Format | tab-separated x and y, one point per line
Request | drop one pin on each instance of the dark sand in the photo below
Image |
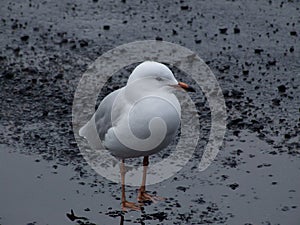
251	46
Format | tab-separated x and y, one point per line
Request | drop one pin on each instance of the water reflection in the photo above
73	217
142	198
121	220
159	216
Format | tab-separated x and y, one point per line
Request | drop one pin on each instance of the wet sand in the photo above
252	48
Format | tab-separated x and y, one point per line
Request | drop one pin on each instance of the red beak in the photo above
186	87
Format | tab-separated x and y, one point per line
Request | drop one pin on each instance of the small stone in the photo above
184	7
198	41
273	153
233	186
181	188
281	88
276	101
14	26
106	27
258	50
272	63
83	43
8	74
245	72
236	30
239	151
177	205
236	132
24	38
223	30
200	201
59	76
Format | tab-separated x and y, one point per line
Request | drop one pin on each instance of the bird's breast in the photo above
147	126
151	108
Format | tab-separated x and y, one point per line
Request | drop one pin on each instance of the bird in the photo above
139	120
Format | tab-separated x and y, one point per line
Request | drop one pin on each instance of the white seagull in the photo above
139	119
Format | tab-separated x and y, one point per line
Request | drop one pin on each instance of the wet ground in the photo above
251	46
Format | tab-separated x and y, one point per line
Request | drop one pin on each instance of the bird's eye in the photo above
159	78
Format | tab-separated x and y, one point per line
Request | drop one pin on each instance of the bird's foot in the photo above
143	196
130	205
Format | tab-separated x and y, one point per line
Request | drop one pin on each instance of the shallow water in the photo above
261	188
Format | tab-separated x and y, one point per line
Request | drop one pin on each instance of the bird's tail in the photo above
89	132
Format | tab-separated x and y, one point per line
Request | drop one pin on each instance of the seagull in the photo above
138	120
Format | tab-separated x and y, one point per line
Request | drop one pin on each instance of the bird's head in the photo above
155	76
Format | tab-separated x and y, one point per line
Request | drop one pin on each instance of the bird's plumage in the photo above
147	98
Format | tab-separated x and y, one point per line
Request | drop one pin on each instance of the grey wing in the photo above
100	123
103	114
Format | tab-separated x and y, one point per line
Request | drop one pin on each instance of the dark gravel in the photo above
251	46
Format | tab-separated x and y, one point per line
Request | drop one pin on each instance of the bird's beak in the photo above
186	87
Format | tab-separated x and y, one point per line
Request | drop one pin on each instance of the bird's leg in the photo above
125	204
143	195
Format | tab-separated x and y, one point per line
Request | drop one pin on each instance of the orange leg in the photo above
125	204
143	196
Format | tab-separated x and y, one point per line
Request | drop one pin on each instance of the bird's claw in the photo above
144	197
130	205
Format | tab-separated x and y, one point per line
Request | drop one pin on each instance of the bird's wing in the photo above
103	114
100	123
